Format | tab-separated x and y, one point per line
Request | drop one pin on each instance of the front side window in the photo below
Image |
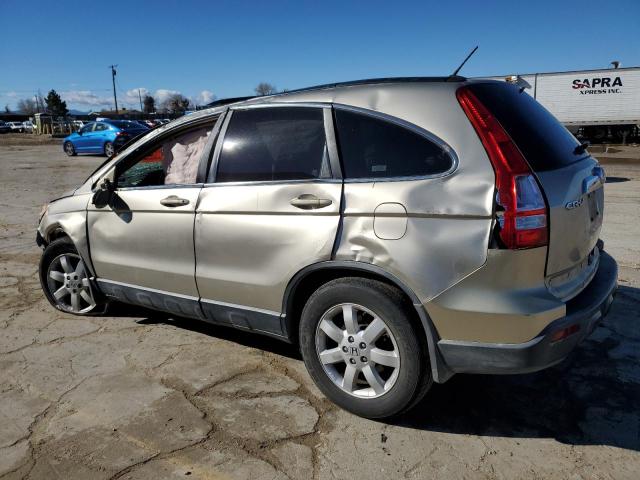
171	161
371	147
278	143
86	128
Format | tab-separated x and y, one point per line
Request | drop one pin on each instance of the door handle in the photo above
310	202
174	201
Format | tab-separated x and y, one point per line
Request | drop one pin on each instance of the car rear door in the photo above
571	179
271	207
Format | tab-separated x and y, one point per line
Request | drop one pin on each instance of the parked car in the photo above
449	226
16	127
101	137
4	127
28	126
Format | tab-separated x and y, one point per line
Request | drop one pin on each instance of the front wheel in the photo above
65	280
109	150
69	149
361	349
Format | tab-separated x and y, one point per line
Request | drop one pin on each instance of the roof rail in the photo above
352	83
369	81
226	101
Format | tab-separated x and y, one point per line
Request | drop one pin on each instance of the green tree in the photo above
55	105
149	104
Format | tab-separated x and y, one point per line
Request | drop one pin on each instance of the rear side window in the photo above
545	143
374	148
278	143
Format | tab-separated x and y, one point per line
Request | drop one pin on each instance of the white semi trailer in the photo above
598	105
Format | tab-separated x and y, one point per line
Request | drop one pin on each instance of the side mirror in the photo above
79	132
104	194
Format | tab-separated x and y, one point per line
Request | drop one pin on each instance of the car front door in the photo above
271	206
81	143
141	240
96	138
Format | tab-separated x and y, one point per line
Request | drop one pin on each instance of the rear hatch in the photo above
571	180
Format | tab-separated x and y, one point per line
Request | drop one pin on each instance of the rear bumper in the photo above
584	311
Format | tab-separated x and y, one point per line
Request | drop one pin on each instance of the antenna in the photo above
462	64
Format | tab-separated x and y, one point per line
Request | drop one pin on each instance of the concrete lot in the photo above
145	397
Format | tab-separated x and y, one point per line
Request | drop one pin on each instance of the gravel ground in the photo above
138	396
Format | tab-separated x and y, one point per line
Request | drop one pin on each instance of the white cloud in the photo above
85	98
162	94
132	96
205	96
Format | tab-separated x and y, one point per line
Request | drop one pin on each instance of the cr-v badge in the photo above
574	204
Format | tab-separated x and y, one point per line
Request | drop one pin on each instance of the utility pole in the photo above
140	97
113	80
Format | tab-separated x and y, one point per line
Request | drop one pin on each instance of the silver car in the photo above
398	230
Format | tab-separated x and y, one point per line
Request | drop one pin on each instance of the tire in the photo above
69	149
391	370
65	280
109	150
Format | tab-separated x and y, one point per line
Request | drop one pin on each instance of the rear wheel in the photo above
109	150
65	280
361	349
69	149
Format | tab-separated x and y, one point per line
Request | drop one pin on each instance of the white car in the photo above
28	126
16	127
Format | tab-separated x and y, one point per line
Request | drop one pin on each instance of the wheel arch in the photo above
310	278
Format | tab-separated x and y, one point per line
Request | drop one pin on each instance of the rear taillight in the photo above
521	208
122	134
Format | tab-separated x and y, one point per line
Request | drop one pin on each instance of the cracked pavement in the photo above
143	396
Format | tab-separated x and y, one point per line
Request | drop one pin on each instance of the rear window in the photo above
374	148
543	140
123	125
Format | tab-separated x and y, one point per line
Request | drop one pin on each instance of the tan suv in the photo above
399	230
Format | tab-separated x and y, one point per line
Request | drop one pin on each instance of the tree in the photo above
175	103
149	104
27	106
55	105
265	88
7	109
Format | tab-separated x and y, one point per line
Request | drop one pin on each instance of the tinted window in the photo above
126	125
374	148
99	127
543	141
280	143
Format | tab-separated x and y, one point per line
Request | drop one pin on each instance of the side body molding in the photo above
439	369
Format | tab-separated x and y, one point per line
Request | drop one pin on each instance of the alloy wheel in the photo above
357	350
108	149
69	284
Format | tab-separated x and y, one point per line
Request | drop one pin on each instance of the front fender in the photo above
69	216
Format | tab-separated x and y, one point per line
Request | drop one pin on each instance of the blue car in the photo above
102	137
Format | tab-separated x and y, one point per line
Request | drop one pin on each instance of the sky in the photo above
218	49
